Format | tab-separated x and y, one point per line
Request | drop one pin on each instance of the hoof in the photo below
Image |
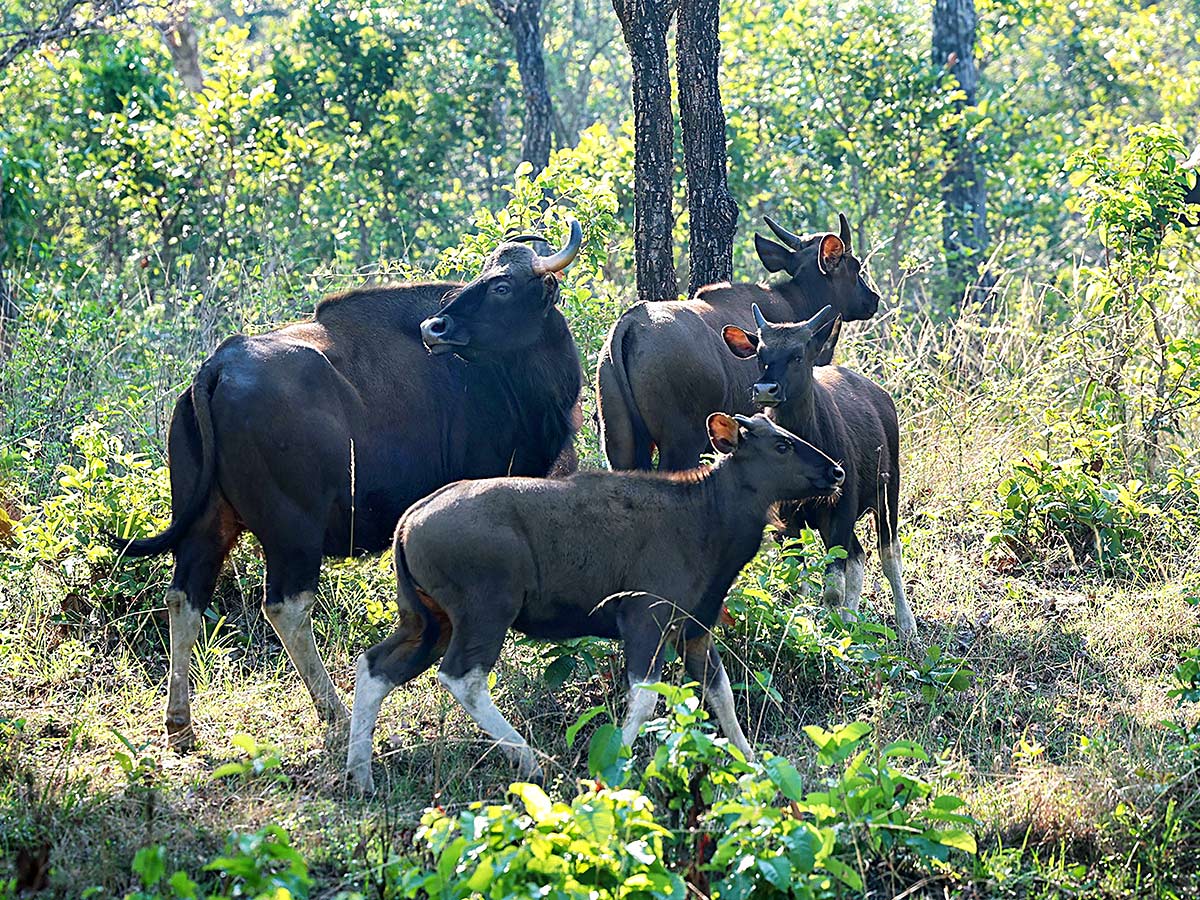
534	776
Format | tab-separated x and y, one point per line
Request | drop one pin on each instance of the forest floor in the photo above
1060	731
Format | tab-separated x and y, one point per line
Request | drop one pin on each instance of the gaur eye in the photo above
502	288
783	447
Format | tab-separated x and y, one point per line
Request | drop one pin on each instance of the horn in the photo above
744	421
758	317
544	265
528	237
845	230
791	240
821	319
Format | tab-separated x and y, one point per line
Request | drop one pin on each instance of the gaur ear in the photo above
830	251
775	257
723	432
550	285
742	344
822	336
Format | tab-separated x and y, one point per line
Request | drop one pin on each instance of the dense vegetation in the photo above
1046	743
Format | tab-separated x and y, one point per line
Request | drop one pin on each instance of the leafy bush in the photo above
1046	504
259	865
604	844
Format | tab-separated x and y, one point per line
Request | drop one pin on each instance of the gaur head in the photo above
792	469
822	267
504	309
786	353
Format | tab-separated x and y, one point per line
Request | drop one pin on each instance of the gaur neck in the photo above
538	384
803	306
799	414
734	496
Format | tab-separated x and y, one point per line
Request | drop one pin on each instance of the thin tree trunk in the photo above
644	25
711	209
964	191
522	18
179	34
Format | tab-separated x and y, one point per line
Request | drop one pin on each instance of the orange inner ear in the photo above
738	341
723	432
832	249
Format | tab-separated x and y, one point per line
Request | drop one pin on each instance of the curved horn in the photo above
527	237
543	265
744	421
845	230
758	317
791	240
821	319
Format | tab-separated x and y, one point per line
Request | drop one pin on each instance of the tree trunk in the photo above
964	191
179	34
711	208
522	18
644	25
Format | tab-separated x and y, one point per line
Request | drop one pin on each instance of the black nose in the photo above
436	327
837	475
767	393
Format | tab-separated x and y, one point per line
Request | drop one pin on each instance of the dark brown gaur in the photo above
315	437
851	419
646	558
663	366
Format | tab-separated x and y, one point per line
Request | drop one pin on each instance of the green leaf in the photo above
605	752
956	838
586	717
777	871
844	873
150	864
559	671
786	778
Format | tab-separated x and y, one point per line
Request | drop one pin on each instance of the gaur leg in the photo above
198	561
887	521
475	644
855	563
394	661
889	556
702	663
645	621
837	530
292	575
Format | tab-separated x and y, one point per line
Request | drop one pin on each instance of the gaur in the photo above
315	437
646	558
853	420
664	367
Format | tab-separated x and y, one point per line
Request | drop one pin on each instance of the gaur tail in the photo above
431	628
626	440
202	388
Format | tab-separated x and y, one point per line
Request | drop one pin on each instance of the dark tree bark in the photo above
964	192
522	18
644	25
711	208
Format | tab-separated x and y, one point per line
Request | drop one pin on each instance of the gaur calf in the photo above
663	367
646	558
853	420
316	436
